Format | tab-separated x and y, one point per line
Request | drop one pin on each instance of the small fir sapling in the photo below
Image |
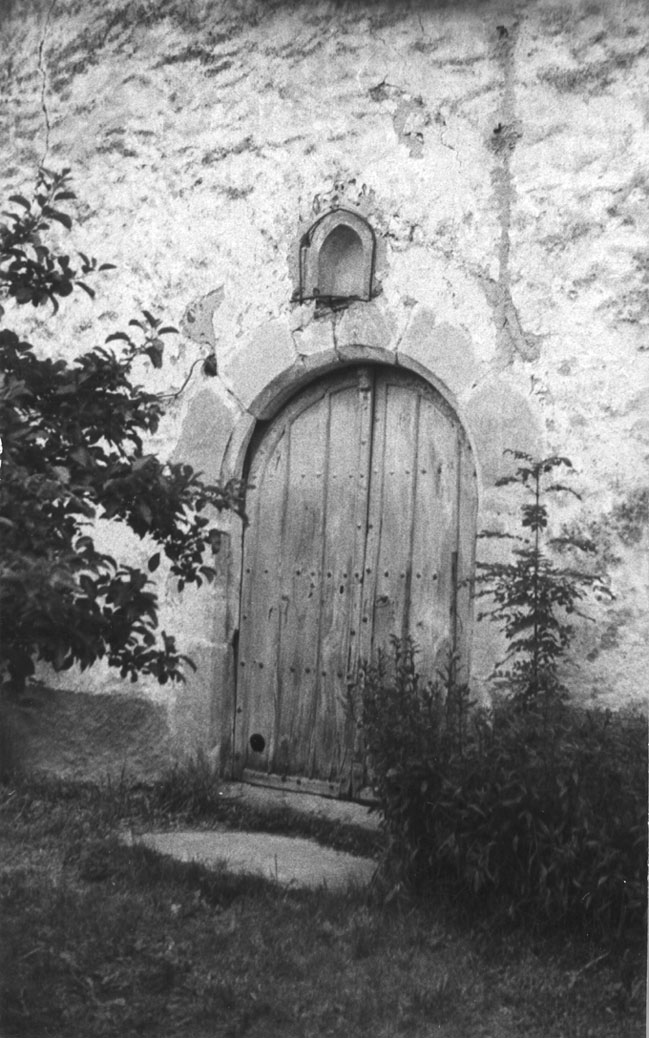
534	598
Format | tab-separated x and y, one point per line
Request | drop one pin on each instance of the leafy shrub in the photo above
540	815
537	808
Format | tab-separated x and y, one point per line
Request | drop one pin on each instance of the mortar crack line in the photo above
513	337
397	345
43	75
379	158
449	147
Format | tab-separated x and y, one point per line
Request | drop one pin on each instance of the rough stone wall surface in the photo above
498	150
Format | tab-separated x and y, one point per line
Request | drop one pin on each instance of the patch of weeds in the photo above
188	793
284	821
128	942
47	808
365	934
53	965
121	799
190	788
563	982
436	999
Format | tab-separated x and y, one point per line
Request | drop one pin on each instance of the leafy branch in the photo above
74	451
29	271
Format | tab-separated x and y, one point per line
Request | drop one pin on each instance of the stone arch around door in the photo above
362	514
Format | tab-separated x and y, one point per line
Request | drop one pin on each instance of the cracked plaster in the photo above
198	320
442	348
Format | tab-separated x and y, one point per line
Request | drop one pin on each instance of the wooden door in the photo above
362	525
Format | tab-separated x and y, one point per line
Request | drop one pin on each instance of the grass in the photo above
107	939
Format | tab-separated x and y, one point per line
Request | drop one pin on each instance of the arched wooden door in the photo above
362	525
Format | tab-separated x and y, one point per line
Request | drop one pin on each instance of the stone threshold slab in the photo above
289	861
347	812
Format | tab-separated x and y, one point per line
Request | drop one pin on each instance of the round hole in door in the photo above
257	743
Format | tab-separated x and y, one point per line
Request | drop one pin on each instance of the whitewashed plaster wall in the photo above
498	149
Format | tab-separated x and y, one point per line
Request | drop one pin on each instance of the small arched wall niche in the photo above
337	258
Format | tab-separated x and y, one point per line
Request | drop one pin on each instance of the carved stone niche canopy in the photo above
337	258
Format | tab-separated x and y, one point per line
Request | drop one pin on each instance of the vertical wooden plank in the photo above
343	546
412	527
466	548
300	589
365	605
388	560
434	543
323	508
258	678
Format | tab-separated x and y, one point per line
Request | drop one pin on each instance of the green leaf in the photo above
144	462
54	214
88	585
153	562
146	513
82	456
215	538
155	354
